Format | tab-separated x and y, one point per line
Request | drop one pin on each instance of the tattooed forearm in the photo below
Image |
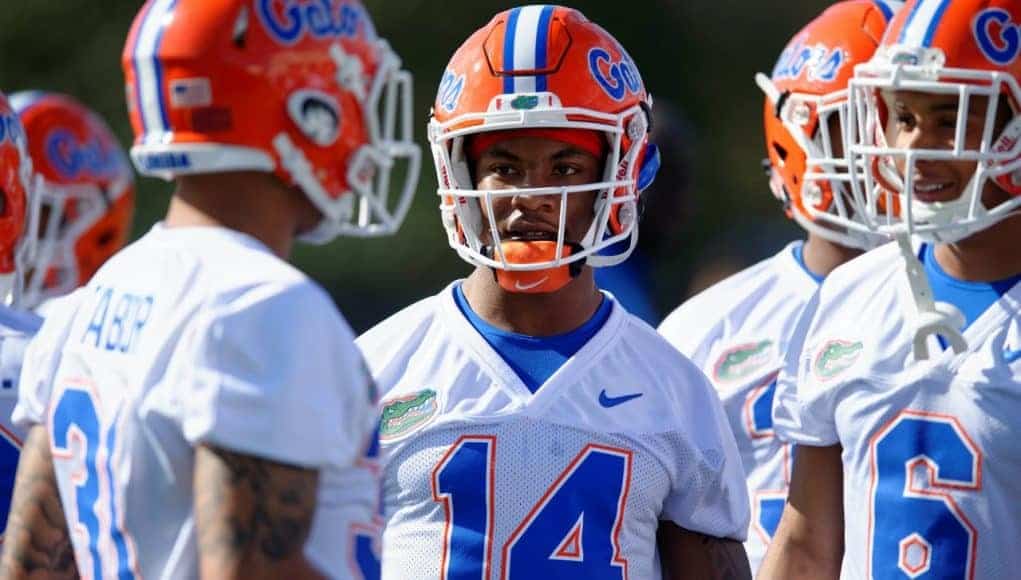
690	555
250	513
36	543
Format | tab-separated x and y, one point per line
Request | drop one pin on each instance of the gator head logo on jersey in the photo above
835	357
406	414
742	360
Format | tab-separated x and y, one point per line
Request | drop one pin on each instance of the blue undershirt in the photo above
971	298
534	358
799	255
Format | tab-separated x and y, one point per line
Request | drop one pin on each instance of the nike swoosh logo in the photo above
608	401
1011	355
527	287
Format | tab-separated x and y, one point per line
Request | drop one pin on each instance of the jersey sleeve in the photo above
692	328
708	492
804	401
274	373
41	358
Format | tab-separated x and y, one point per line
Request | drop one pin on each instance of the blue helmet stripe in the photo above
542	37
508	50
160	99
135	61
931	31
885	9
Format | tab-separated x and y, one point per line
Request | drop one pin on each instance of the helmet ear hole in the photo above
650	166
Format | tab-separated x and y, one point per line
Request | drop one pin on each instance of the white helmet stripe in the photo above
525	35
149	73
922	22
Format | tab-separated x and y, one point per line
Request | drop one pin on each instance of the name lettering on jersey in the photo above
407	414
997	36
451	87
117	320
616	78
73	159
835	357
742	361
287	21
818	62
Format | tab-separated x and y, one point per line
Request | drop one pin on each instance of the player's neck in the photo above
533	314
249	203
986	256
823	256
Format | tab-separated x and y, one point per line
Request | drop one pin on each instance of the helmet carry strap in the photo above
934	318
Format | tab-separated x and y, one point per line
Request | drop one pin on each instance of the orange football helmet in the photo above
807	87
541	68
18	206
303	89
964	48
85	187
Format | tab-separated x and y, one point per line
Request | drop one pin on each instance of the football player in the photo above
738	330
531	427
86	189
17	239
180	399
901	391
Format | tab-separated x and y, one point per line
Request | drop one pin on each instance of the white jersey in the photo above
197	336
737	331
930	453
483	478
16	329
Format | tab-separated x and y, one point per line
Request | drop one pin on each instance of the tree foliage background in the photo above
699	55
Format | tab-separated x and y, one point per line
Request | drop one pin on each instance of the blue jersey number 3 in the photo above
75	418
916	526
571	532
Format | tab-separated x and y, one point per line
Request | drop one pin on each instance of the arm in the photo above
252	516
36	544
690	555
809	543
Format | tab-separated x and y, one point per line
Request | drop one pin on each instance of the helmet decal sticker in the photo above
288	20
73	159
997	36
616	78
450	91
317	115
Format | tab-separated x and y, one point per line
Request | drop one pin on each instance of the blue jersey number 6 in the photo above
916	526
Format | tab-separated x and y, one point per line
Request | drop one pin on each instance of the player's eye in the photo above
565	170
504	171
905	120
947	122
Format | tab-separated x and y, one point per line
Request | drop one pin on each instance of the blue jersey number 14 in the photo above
571	532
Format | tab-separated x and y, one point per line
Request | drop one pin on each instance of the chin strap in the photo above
534	281
934	318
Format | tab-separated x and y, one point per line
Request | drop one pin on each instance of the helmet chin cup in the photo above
534	281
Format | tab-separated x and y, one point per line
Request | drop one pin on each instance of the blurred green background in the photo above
699	55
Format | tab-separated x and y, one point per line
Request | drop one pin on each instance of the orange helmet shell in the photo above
964	48
810	80
547	67
86	185
16	213
282	86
